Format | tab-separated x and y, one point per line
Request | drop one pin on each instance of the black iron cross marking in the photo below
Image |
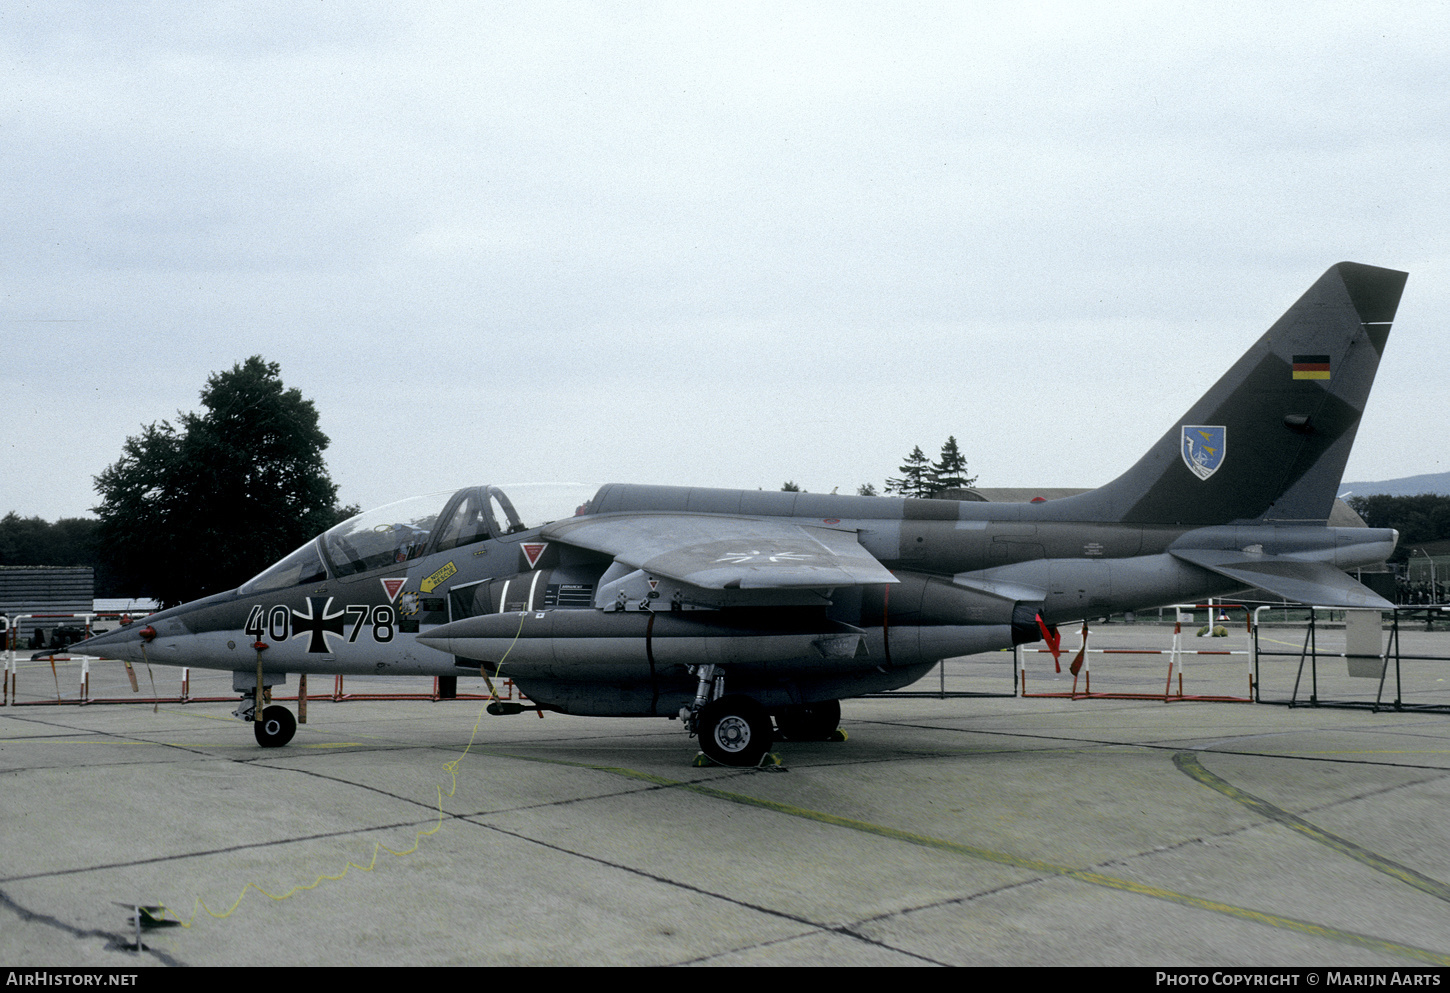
317	621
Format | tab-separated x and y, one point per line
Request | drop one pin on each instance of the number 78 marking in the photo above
362	612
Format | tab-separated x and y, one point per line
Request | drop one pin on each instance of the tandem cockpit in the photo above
391	535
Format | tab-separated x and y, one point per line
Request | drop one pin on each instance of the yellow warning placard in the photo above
438	578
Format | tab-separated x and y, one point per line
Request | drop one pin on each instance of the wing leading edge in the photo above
726	553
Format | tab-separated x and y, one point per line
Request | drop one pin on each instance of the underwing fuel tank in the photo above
556	641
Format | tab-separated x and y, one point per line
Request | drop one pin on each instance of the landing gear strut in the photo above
734	729
277	725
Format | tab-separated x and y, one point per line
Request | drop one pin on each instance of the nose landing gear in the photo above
276	727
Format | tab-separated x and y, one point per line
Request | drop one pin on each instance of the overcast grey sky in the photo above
713	244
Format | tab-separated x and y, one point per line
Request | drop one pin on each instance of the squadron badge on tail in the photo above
1203	448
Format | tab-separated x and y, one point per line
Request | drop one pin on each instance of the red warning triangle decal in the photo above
532	551
654	584
392	586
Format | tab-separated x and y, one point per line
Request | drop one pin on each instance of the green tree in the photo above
951	468
198	510
1419	519
34	541
790	487
917	477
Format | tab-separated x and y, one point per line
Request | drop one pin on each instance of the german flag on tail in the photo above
1311	367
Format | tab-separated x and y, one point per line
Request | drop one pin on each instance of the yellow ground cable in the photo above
450	767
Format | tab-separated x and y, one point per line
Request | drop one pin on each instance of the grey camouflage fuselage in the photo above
798	598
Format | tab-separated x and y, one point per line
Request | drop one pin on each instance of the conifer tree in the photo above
917	479
951	469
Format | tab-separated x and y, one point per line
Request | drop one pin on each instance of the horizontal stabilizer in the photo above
1317	583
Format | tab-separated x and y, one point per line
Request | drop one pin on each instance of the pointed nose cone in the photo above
122	643
191	634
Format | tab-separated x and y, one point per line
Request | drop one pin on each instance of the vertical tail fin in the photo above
1270	439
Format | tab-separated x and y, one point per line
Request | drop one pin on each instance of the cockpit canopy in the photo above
406	530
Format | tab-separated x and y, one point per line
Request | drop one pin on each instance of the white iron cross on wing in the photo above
739	558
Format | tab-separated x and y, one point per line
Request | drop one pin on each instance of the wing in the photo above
726	553
1317	583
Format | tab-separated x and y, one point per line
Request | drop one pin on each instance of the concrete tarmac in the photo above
983	831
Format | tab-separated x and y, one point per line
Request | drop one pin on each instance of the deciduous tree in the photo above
1419	519
200	508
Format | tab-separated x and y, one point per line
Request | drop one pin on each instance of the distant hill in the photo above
1435	482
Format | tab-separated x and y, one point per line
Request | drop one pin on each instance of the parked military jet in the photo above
749	614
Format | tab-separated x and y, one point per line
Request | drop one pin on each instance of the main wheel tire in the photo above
734	730
276	727
810	722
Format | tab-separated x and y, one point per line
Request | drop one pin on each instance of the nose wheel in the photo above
276	727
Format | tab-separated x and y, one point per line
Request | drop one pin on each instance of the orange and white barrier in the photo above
1177	656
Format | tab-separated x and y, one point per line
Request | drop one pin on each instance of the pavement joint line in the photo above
841	929
210	852
468	815
660	782
451	768
111	737
1301	757
1443	891
967	898
1188	763
1034	865
1365	751
320	836
772	943
1296	756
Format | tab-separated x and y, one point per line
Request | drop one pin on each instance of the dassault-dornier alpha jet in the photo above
749	614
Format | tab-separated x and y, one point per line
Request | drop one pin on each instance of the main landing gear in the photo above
733	728
736	730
